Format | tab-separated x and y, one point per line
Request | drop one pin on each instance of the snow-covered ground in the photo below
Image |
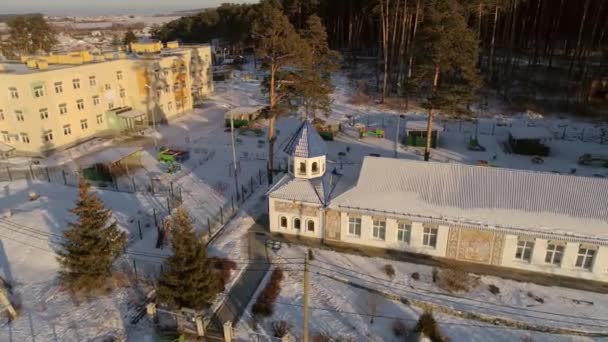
29	235
339	309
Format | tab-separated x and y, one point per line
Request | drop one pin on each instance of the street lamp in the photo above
397	133
236	181
153	114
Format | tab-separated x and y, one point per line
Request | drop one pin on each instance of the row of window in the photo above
555	252
297	224
404	231
39	91
48	135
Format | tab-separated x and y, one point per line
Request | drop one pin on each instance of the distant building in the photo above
533	221
52	102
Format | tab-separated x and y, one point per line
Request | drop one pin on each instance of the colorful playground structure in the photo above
365	131
172	156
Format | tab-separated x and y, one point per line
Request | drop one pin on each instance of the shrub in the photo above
416	276
455	279
399	328
389	270
435	274
224	267
264	304
280	328
311	256
493	289
428	326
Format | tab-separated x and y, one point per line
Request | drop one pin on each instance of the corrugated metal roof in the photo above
493	196
306	143
316	190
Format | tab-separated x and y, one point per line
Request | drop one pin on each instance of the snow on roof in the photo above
524	133
496	197
306	143
420	125
316	190
108	156
129	113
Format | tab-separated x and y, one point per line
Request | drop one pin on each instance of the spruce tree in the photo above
91	244
189	279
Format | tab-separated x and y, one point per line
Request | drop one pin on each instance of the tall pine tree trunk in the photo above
411	59
429	122
492	45
271	123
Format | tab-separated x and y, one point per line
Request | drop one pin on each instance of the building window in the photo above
585	257
84	124
119	75
110	104
178	104
297	223
108	86
122	93
379	229
354	226
19	115
1	115
170	106
58	88
95	100
99	119
63	108
429	237
92	81
315	168
302	169
165	71
554	254
175	86
44	113
310	225
524	250
67	129
283	222
38	91
47	136
404	231
5	136
14	93
25	138
167	88
80	104
76	83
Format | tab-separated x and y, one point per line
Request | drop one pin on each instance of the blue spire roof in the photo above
306	143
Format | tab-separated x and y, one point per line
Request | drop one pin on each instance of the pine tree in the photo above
91	244
128	39
448	49
189	280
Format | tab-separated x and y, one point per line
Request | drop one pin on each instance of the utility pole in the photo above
236	181
306	285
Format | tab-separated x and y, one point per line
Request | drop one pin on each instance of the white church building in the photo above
535	221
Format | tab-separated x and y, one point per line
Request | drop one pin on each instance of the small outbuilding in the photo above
242	116
110	164
415	133
530	140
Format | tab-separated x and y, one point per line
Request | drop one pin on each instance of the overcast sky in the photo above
94	7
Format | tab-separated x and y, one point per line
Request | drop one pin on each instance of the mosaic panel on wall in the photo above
475	245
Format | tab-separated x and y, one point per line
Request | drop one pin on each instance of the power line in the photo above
392	283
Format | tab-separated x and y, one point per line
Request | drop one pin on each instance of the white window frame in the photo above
25	138
1	115
523	247
6	136
354	226
308	222
554	254
58	88
80	104
44	113
47	136
429	237
92	81
107	86
38	91
84	124
99	119
76	83
96	100
119	75
297	226
110	104
281	219
63	108
14	93
585	257
404	232
122	93
19	115
67	129
379	229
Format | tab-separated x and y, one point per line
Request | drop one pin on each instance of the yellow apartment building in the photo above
53	102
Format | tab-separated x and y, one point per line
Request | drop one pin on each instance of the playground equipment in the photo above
474	145
593	159
170	156
376	132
